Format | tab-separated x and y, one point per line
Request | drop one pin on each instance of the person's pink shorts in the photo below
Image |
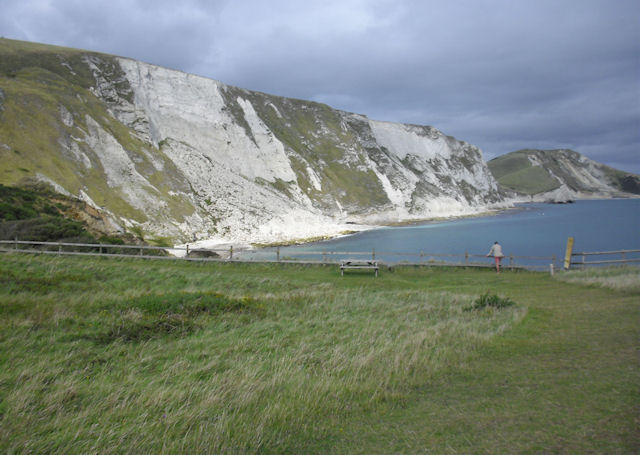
498	259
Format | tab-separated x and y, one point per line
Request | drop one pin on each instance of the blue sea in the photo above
531	233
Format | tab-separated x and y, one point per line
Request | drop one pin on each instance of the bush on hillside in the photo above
490	300
45	228
29	215
20	204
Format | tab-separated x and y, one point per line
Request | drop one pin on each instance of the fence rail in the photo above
271	255
626	257
101	249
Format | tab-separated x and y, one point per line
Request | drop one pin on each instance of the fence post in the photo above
568	253
59	248
373	255
278	254
15	245
551	269
421	256
466	257
187	249
231	253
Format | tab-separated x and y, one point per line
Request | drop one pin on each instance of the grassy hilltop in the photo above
134	356
532	172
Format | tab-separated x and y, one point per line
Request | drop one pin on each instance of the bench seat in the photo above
358	264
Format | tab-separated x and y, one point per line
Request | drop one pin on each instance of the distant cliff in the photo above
182	156
560	175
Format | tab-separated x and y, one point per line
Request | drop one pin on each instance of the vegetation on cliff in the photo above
532	172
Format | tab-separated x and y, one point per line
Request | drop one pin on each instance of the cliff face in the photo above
560	175
184	156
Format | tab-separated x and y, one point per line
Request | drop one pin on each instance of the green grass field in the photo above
135	356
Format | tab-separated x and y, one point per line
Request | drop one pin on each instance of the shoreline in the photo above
349	229
514	204
370	227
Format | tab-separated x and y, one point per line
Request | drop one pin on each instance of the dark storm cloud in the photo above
173	34
502	75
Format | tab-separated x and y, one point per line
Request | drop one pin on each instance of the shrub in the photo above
131	331
29	214
111	240
10	212
189	303
138	232
170	314
161	241
43	229
490	300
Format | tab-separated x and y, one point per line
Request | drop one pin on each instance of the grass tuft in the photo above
490	300
128	330
189	303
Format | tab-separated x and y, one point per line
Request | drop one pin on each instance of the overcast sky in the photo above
500	74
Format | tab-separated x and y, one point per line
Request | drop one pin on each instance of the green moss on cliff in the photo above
316	136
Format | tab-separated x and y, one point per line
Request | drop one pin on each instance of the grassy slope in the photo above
555	384
38	82
506	164
292	359
516	172
531	180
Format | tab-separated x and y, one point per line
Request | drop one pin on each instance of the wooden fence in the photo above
414	258
274	255
620	257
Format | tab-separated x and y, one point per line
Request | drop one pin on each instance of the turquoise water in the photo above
530	230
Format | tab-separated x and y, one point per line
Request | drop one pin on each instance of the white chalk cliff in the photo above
188	157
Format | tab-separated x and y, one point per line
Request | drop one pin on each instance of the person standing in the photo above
496	252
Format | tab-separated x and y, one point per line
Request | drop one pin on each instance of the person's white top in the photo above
496	251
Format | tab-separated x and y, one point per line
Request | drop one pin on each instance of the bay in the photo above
531	233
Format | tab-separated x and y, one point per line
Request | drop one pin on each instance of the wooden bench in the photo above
358	264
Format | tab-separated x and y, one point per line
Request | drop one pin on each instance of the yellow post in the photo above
567	255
